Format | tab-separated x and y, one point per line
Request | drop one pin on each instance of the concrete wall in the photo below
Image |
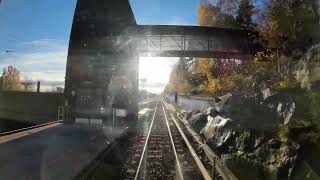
30	107
190	103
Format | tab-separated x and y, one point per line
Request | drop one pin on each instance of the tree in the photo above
208	15
11	79
178	81
212	15
228	7
290	24
245	13
28	85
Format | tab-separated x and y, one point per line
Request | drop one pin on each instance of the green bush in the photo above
284	84
283	134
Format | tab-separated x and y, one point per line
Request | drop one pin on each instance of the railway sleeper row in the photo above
166	156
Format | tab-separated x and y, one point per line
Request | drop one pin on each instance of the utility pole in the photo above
38	86
1	79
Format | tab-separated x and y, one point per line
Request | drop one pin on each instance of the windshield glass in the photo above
137	89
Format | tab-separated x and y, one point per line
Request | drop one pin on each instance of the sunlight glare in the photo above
154	72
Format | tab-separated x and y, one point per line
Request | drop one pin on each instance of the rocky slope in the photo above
248	129
273	134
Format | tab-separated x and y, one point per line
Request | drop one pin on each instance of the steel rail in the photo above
172	143
200	165
224	171
145	145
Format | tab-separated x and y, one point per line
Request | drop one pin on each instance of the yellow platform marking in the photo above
18	135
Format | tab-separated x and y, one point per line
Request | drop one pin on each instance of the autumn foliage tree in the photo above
282	29
288	28
245	13
178	81
290	25
11	79
213	16
221	14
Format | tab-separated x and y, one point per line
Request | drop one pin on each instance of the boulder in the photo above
274	144
271	159
307	70
188	115
211	111
266	93
262	154
246	141
287	114
289	158
198	121
284	105
250	114
218	127
258	142
194	112
222	100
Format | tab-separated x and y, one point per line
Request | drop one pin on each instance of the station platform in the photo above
57	151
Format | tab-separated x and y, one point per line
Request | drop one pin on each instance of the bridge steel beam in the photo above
190	41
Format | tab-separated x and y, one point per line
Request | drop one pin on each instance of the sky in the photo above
34	36
154	72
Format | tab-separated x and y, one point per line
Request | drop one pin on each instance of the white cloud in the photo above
43	60
46	44
46	76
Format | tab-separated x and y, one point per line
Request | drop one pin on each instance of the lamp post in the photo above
11	52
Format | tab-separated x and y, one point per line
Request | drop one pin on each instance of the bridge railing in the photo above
187	43
176	41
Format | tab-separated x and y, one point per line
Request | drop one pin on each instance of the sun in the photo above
155	71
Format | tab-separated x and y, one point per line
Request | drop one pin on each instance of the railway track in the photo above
219	170
163	152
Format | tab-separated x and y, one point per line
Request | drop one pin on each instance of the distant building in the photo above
60	89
